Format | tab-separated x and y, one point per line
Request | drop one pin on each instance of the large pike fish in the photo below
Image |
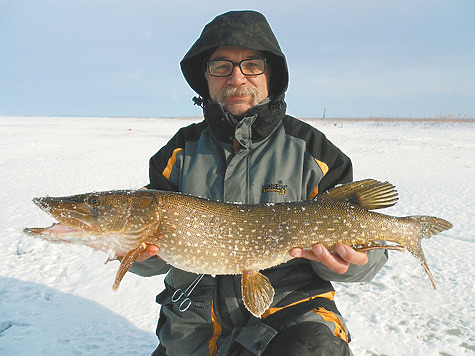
208	237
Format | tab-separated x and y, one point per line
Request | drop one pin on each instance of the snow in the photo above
58	299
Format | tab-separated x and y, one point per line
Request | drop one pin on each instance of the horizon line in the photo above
441	118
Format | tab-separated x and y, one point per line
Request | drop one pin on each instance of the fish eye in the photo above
94	200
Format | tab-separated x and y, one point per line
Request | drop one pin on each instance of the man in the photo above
248	150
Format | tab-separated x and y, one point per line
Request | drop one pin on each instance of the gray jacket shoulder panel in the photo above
279	168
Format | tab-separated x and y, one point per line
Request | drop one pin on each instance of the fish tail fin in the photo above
429	226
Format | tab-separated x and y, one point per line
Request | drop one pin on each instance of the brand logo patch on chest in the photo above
278	187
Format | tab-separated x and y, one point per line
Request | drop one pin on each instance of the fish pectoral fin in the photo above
257	292
369	194
126	263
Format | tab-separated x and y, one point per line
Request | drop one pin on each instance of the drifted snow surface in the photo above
57	299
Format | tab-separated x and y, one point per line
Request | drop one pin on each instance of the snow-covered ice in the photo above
57	299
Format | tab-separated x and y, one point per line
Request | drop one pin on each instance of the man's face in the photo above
238	92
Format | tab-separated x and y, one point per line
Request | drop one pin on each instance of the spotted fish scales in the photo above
208	237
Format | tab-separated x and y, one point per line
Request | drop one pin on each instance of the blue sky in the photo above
353	58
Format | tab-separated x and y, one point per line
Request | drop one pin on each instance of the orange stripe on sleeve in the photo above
171	162
314	193
324	167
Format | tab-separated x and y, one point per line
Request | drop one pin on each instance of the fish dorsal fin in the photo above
369	194
257	292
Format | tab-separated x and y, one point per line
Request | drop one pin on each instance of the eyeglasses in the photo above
248	67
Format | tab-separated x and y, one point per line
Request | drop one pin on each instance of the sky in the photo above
369	58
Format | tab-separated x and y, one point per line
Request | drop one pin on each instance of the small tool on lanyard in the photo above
178	294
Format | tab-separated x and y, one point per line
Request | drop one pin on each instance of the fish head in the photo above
125	212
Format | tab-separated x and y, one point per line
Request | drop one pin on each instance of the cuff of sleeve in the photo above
376	260
151	267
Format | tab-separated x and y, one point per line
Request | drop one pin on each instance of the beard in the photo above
255	94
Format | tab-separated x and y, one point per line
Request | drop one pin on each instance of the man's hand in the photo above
150	250
338	263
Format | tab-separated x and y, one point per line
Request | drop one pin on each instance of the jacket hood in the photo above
247	29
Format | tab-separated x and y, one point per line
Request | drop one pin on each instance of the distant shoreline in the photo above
329	119
391	119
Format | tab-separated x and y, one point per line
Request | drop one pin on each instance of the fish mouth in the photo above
53	230
71	218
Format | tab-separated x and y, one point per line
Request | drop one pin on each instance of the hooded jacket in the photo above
279	159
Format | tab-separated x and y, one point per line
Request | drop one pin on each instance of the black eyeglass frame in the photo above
236	64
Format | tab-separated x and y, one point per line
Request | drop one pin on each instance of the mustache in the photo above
231	91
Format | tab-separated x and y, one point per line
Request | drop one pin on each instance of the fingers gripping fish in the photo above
208	237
